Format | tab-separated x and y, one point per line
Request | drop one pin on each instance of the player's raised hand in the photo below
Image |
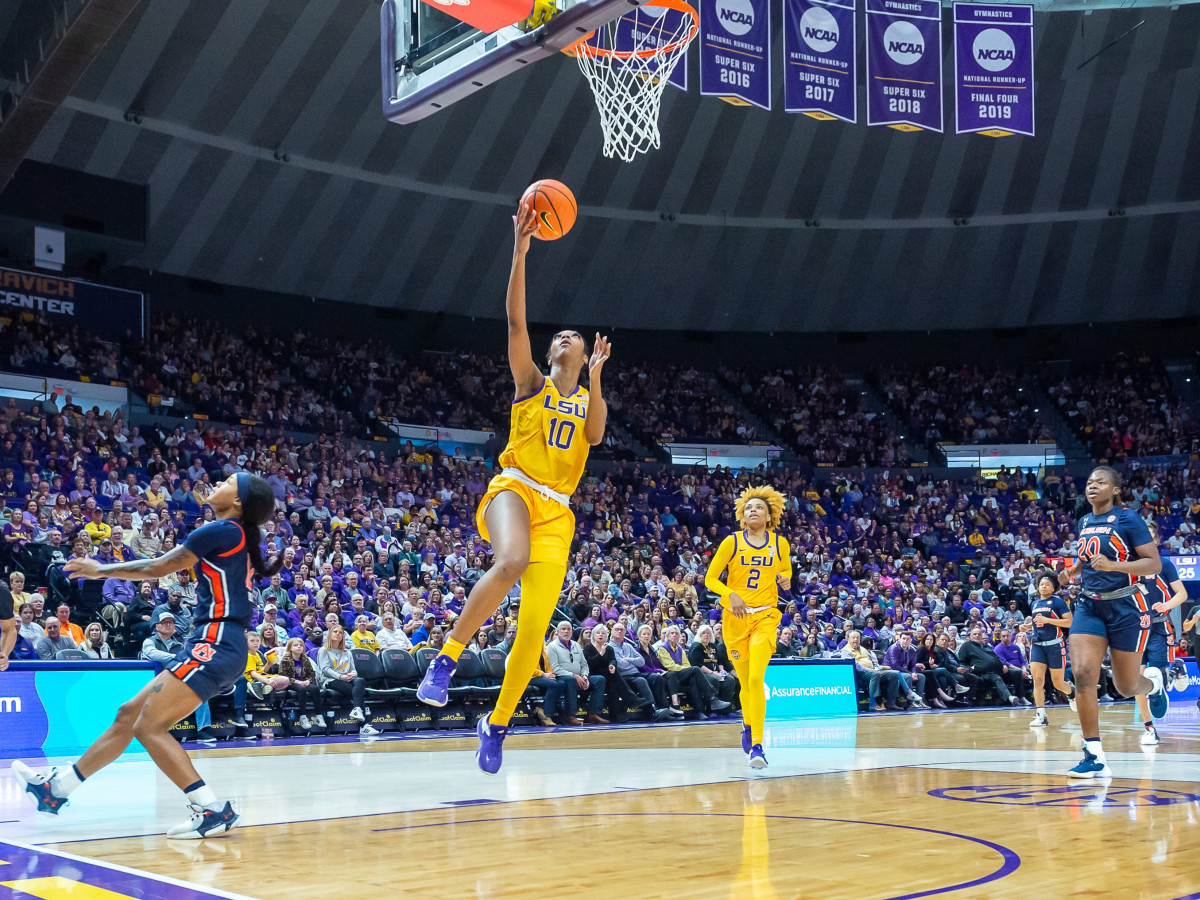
601	350
525	223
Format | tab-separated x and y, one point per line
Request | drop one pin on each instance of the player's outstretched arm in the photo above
526	375
138	570
597	414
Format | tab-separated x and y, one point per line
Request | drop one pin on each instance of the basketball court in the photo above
971	804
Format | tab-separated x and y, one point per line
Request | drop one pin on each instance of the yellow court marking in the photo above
58	888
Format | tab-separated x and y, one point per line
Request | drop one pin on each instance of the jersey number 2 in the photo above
752	580
561	432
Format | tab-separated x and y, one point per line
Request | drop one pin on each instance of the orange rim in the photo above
581	46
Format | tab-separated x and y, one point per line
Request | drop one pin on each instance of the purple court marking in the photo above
27	862
1063	795
1011	861
479	802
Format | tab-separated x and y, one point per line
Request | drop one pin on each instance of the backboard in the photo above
430	60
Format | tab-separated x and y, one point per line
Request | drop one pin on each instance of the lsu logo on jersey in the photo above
564	407
758	560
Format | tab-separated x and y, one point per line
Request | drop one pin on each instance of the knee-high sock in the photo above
540	587
751	674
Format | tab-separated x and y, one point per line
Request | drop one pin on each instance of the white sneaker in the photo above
1071	702
205	822
1015	701
1026	702
1039	722
961	689
1149	737
357	715
368	731
318	721
304	723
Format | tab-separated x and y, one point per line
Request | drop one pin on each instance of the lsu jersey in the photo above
546	439
753	570
1114	534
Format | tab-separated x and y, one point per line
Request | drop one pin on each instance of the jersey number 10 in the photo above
561	432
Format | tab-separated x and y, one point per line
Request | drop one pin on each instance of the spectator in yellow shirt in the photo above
362	636
97	529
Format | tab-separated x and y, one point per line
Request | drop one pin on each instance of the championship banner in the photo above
904	64
993	69
106	311
735	51
653	22
820	53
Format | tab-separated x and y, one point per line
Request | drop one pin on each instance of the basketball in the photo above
555	206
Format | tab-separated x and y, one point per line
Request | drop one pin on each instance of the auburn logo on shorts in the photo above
203	652
1145	621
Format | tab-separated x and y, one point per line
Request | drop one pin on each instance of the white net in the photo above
627	63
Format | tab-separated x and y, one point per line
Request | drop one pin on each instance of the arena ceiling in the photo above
257	127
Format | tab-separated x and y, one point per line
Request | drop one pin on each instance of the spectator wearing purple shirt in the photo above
902	656
1017	676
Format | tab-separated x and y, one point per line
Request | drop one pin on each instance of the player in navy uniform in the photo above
8	626
1115	553
1050	616
1164	592
225	554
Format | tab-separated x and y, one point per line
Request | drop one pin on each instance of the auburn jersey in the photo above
753	569
1159	588
1114	534
223	571
546	439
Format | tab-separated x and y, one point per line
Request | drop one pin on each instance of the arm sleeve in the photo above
712	578
785	558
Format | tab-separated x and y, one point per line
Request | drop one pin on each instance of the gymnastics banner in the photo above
904	64
657	24
993	69
820	53
735	51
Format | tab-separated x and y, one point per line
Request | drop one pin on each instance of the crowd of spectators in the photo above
667	402
819	416
379	540
966	404
1125	408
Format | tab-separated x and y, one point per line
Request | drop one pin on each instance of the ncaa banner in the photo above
904	64
649	25
820	52
735	51
993	69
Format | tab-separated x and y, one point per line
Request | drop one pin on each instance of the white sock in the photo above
63	781
1154	676
1094	748
202	796
1041	711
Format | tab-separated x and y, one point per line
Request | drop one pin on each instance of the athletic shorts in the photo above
761	628
212	658
1125	621
552	525
6	603
1050	655
1158	651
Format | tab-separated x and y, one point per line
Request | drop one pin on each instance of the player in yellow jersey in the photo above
525	512
759	562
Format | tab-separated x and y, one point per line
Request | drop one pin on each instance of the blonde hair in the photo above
767	495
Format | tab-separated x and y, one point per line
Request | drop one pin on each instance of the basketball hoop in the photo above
627	63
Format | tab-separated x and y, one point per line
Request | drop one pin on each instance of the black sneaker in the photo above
204	736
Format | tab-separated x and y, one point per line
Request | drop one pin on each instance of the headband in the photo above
243	486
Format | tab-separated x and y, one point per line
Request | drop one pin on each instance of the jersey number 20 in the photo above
561	432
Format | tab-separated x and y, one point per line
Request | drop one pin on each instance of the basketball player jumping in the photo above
525	513
759	561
